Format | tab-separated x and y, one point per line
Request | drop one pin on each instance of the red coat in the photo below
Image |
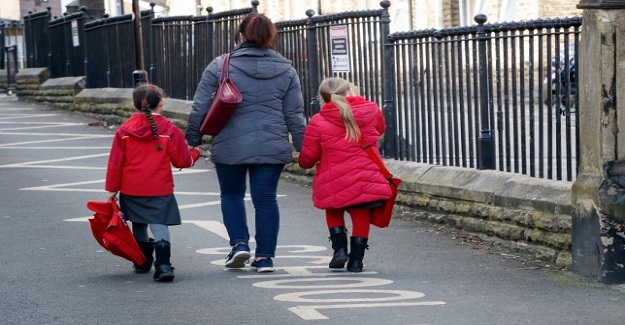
136	167
345	174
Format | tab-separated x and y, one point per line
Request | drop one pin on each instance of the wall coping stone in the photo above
64	83
30	72
491	187
104	95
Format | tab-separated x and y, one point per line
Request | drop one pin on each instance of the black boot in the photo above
148	250
163	271
356	253
338	236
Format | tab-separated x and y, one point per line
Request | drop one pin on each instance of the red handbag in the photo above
381	216
111	231
225	99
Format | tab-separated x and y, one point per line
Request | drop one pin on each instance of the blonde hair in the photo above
334	90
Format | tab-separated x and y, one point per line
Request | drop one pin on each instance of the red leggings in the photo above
360	220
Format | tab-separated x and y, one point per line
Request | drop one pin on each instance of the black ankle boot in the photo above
148	250
338	236
356	253
163	271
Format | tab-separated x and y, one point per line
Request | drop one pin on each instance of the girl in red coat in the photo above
139	168
346	179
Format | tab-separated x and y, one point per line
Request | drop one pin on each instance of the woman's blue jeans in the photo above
263	189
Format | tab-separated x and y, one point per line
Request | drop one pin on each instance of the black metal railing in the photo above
3	44
184	46
110	51
310	44
292	43
67	45
36	39
490	96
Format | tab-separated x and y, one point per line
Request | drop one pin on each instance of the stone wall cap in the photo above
66	83
30	72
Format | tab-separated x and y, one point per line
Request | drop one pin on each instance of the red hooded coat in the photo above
136	167
345	174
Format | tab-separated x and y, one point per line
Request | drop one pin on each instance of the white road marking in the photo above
11	109
81	219
83	135
57	148
14	116
215	227
46	141
359	283
37	127
26	164
311	313
40	124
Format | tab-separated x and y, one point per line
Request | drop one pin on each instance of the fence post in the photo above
152	72
255	4
313	62
11	67
390	136
67	37
138	75
2	42
211	29
485	141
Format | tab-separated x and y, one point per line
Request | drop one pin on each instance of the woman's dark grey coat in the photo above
272	107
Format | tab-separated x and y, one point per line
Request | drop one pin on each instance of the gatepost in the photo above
598	233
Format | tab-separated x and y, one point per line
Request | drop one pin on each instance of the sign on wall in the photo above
338	48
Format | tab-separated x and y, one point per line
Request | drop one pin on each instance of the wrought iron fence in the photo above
488	96
110	50
501	95
308	43
67	45
184	46
2	43
36	39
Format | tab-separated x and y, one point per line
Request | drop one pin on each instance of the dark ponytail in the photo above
146	98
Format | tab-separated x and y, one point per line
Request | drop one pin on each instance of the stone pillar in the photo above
598	237
95	8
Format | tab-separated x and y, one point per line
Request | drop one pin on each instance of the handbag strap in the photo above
225	68
376	159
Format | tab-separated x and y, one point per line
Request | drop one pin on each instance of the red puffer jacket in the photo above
345	174
136	167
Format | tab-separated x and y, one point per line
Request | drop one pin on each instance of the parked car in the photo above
563	79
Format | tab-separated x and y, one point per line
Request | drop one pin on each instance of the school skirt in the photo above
150	209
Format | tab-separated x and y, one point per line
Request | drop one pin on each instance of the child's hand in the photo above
110	196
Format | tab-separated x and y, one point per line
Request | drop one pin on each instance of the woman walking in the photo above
255	140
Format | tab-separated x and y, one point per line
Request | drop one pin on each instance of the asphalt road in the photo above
53	272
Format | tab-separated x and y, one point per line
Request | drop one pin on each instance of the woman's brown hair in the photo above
145	98
334	90
259	29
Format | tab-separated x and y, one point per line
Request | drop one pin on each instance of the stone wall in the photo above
528	215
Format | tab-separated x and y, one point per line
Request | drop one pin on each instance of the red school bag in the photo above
112	232
381	216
